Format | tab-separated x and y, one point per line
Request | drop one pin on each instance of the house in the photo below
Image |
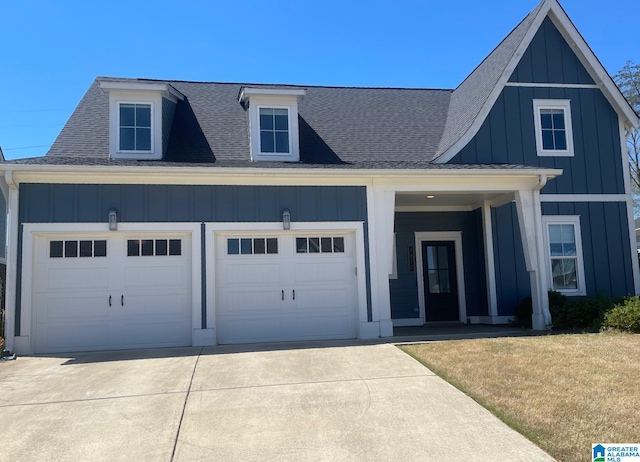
173	213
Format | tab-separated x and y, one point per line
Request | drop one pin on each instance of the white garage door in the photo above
283	287
111	291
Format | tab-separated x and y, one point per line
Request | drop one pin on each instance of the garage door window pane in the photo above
314	245
272	245
55	249
175	247
161	247
301	245
99	248
71	248
338	244
245	246
147	247
86	248
133	248
233	246
325	244
259	246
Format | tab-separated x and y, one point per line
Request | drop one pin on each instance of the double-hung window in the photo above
135	127
274	130
554	134
564	251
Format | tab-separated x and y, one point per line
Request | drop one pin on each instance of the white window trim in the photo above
118	98
565	220
565	105
258	140
288	102
394	261
134	151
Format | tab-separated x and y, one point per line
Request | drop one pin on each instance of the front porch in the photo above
435	251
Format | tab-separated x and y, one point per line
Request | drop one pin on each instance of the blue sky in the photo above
50	52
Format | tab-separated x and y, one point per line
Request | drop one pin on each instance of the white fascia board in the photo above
165	88
399	180
246	92
591	63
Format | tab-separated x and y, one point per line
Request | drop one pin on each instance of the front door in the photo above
440	283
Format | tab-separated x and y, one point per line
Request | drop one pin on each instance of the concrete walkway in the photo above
313	402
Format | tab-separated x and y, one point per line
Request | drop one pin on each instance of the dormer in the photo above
273	122
140	118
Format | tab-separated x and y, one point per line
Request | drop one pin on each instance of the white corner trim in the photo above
12	262
632	240
456	237
583	197
565	106
624	148
575	221
551	85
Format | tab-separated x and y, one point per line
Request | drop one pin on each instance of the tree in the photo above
628	80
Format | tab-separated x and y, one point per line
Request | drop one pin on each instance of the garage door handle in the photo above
109	300
294	294
121	300
283	294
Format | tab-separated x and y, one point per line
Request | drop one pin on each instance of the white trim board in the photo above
550	85
562	220
584	197
456	238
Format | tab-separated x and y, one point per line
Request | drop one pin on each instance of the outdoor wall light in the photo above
286	219
113	219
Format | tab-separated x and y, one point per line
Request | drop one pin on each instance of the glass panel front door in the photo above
440	283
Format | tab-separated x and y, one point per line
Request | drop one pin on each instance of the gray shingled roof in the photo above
358	127
471	95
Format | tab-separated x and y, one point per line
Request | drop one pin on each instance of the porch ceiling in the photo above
453	200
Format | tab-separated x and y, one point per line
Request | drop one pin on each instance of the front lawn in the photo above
563	392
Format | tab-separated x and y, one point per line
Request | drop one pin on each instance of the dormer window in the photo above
273	123
274	130
135	127
139	111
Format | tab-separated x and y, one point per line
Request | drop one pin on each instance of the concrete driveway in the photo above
313	402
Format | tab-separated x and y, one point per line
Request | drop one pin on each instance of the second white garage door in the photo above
285	287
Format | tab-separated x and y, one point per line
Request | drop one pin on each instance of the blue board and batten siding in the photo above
507	136
86	203
605	248
549	59
404	289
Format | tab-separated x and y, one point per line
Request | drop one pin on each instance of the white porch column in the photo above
530	221
12	261
489	262
381	218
